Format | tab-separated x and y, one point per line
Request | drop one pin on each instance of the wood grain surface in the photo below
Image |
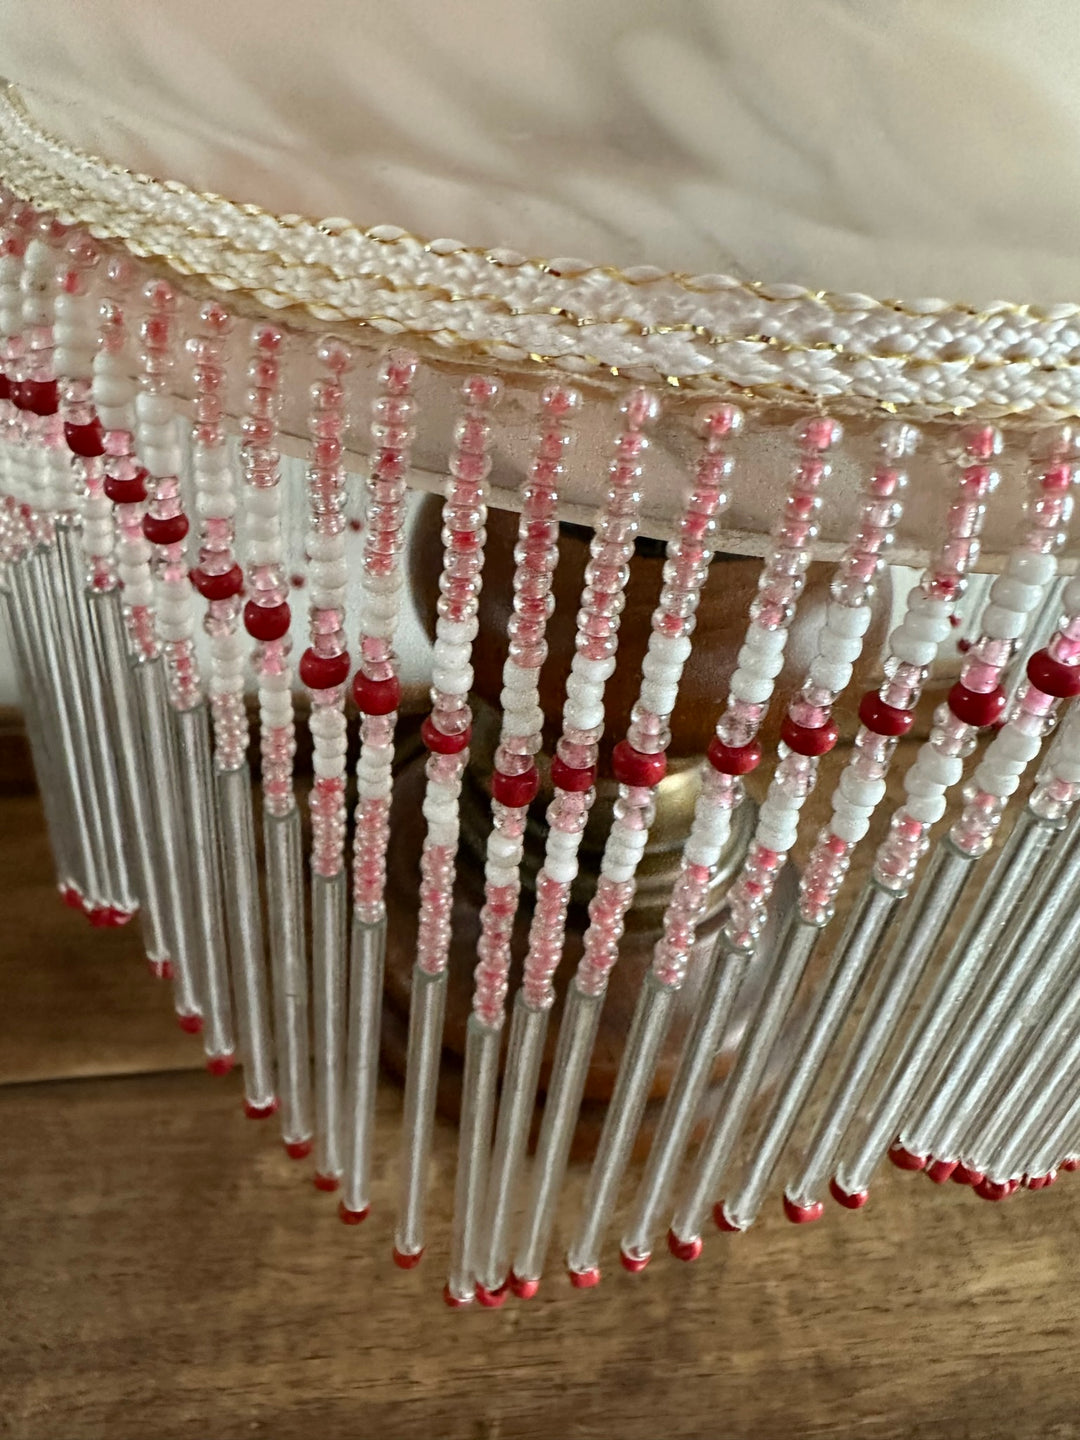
168	1272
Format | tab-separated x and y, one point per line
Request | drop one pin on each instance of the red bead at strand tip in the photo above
974	708
524	1289
221	1064
721	1221
327	1183
441	744
905	1160
805	740
939	1171
492	1299
686	1250
165	530
884	719
352	1217
990	1190
963	1176
261	1112
190	1024
634	1263
566	777
161	969
408	1261
632	767
850	1200
515	790
1053	677
378	697
71	897
126	492
88	440
1071	1164
324	672
1035	1182
298	1149
734	759
803	1214
218	587
455	1302
584	1279
267	622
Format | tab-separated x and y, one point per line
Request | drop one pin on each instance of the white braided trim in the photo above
704	332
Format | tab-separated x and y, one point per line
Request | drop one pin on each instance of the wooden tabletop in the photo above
168	1272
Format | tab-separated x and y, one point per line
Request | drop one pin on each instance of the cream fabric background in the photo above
898	147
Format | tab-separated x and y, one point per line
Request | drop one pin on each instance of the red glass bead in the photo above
939	1171
40	397
803	1214
267	622
855	1201
298	1149
963	1176
634	1263
5	387
165	530
442	744
126	492
323	672
190	1024
734	759
566	777
973	708
523	1289
455	1302
806	741
685	1250
407	1262
221	1064
1070	1164
260	1112
905	1160
377	697
218	587
492	1299
327	1183
352	1217
721	1221
71	897
85	440
584	1279
989	1190
515	790
631	767
1052	677
884	719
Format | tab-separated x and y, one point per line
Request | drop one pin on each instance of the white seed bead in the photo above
1014	744
839	647
1032	568
1003	624
910	649
1013	594
849	822
752	687
834	675
864	793
582	715
996	782
443	832
673	648
755	663
852	621
765	642
927	809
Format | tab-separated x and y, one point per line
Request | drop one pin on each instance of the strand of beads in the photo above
514	785
887	714
808	732
266	581
734	752
217	577
324	668
975	701
165	525
325	664
377	690
446	733
266	618
376	685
